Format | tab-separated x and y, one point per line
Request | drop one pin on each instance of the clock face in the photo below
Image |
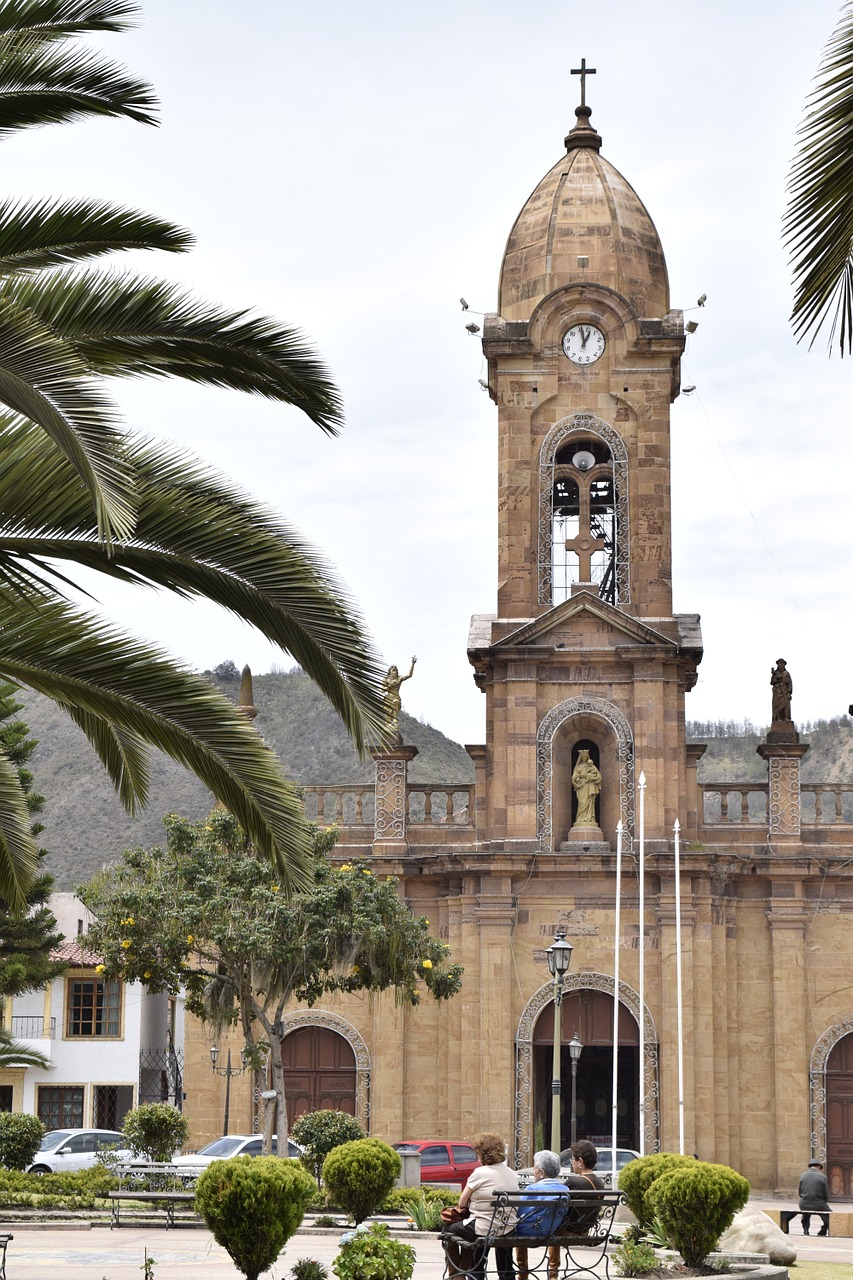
583	343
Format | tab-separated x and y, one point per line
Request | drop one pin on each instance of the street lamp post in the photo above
559	958
575	1051
228	1071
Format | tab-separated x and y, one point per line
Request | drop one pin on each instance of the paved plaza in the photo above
190	1253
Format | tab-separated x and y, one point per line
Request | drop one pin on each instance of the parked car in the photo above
65	1150
443	1161
235	1144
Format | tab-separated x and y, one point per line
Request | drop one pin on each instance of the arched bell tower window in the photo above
583	541
583	511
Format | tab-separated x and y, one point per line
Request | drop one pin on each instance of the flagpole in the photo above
678	992
617	929
641	786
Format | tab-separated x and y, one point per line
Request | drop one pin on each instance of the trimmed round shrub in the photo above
319	1132
695	1205
359	1175
156	1130
20	1137
253	1205
638	1175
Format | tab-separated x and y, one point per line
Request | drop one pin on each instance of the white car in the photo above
65	1150
603	1166
236	1144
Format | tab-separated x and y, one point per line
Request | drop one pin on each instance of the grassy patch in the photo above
822	1270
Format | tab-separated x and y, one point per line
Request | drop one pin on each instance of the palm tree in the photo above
819	219
76	488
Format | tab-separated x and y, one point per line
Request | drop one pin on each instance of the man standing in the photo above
814	1193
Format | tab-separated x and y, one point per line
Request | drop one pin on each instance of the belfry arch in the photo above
585	427
524	1134
569	721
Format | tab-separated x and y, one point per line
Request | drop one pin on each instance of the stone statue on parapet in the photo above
586	781
782	687
393	701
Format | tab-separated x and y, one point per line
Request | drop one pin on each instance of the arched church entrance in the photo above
319	1072
839	1119
589	1014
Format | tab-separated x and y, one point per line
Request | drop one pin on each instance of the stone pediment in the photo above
585	621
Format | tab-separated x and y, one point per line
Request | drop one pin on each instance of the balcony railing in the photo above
822	804
355	805
32	1028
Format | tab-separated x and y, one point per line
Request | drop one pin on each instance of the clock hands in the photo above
584	332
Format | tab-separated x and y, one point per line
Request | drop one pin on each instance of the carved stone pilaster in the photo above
389	825
783	807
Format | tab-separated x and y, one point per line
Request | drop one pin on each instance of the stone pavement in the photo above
190	1253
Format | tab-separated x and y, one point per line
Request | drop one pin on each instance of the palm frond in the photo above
126	325
57	19
200	537
78	661
45	234
43	379
18	852
122	753
43	83
14	1054
818	225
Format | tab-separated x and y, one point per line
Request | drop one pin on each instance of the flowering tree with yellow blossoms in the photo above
204	913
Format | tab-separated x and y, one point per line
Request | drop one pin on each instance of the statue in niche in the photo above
782	688
586	781
393	701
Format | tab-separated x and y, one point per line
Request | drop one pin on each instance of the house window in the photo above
60	1107
5	1097
94	1007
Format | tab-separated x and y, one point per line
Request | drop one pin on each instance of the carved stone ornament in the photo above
580	425
784	796
583	981
334	1022
548	727
390	818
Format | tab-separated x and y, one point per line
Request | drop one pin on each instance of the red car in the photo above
443	1161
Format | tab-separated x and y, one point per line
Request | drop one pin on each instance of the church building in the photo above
585	671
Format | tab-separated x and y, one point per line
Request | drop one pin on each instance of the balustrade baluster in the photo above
359	808
839	806
724	806
427	806
339	809
744	805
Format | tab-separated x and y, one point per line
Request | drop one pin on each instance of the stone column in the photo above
789	1065
783	777
389	822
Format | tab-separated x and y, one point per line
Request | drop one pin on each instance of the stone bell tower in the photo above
584	652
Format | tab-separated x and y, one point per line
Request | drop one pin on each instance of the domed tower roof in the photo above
583	209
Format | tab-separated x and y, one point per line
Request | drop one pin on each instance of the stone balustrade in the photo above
822	804
355	805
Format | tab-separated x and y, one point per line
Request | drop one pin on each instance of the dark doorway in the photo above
839	1120
586	744
590	1014
319	1072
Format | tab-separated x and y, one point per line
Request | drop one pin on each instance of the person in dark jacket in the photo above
814	1197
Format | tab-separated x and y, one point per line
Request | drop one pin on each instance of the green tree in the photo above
319	1132
819	219
77	489
208	914
20	1136
26	940
695	1205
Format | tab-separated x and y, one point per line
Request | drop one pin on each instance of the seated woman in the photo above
463	1248
584	1213
541	1215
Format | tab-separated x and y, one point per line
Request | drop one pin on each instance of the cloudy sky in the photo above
353	167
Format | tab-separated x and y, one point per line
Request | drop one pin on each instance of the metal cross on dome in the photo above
583	71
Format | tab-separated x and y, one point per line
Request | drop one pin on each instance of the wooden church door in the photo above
319	1072
839	1120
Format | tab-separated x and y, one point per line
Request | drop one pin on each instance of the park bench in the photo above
4	1242
587	1225
160	1186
